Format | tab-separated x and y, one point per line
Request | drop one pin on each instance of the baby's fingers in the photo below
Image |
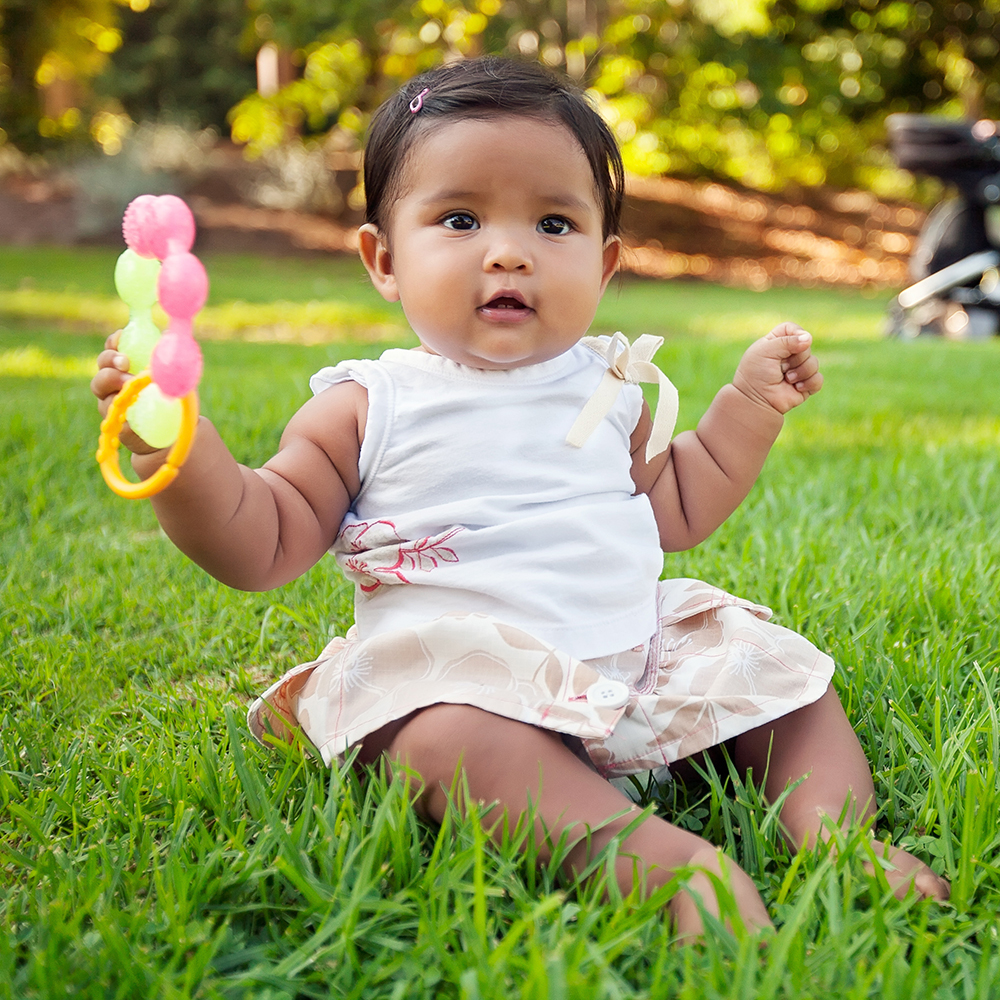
107	382
800	368
806	384
788	340
112	358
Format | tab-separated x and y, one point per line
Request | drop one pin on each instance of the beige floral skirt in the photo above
715	668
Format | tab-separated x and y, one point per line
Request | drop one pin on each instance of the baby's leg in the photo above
515	764
819	740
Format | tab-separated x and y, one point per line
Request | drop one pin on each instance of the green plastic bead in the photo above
137	342
155	417
135	279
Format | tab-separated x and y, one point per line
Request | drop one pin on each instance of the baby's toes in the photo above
930	885
909	874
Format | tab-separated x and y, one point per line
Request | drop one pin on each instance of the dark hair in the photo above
485	88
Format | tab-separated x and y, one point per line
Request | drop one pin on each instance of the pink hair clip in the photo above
418	102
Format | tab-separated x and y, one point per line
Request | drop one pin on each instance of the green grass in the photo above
148	847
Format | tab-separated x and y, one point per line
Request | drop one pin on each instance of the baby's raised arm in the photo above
255	529
706	473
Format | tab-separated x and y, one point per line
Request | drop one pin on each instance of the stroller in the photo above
956	265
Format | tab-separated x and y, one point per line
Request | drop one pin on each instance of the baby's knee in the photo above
434	742
437	732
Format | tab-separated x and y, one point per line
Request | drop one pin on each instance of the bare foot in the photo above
685	912
905	873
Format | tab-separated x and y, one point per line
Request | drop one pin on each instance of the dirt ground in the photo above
674	227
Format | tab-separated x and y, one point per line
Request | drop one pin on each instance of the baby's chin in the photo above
497	360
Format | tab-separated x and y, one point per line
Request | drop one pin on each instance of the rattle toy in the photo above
161	402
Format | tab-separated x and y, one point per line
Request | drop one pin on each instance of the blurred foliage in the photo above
353	55
48	48
791	91
181	60
767	93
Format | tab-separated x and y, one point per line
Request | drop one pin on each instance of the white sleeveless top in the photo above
472	501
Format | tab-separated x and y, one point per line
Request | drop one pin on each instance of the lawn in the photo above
148	847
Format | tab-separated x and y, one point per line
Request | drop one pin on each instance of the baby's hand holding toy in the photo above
780	369
161	402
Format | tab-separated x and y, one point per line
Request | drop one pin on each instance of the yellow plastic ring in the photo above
111	428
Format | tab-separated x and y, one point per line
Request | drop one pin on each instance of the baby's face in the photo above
495	247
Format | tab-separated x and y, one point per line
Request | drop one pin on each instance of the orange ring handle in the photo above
111	428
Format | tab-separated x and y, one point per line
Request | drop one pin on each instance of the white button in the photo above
608	694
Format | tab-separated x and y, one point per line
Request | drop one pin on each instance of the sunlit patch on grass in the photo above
848	324
926	431
70	307
33	362
313	322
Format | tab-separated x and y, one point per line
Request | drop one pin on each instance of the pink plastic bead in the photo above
177	363
139	225
182	285
176	226
158	226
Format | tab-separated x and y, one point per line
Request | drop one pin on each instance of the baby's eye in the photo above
555	225
460	221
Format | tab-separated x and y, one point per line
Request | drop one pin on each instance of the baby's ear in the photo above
612	257
377	258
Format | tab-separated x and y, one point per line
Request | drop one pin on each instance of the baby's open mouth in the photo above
505	302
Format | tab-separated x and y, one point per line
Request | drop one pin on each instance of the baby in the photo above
501	496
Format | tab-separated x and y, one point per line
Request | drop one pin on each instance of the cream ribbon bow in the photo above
634	364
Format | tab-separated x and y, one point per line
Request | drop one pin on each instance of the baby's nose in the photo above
508	255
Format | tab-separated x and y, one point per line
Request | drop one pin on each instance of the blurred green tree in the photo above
767	93
352	54
764	92
181	60
49	52
772	92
